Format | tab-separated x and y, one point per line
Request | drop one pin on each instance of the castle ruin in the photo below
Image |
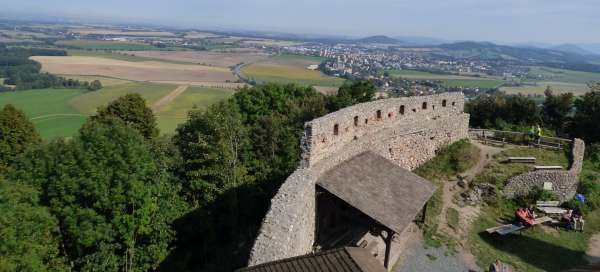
402	132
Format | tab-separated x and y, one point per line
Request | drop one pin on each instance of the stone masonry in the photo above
564	183
408	131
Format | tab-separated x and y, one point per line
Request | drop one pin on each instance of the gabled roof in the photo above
346	259
387	193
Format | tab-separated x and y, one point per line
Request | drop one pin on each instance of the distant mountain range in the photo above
379	39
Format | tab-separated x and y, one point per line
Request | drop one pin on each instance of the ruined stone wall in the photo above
564	183
404	130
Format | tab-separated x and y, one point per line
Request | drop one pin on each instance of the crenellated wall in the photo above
404	130
564	182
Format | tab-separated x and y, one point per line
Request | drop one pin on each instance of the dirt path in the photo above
467	214
593	252
165	100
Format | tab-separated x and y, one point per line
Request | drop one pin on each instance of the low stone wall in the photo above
409	139
564	183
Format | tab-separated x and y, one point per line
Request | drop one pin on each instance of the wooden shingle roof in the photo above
389	194
346	259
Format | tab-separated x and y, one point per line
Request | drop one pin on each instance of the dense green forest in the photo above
23	73
118	197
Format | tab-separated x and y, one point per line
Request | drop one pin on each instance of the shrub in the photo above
590	188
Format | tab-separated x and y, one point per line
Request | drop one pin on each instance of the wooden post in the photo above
388	247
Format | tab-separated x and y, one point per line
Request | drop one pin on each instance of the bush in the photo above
590	188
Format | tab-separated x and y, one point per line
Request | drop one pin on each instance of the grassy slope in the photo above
90	101
49	109
535	249
193	98
449	162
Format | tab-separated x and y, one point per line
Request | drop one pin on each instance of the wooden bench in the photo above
510	228
542	168
522	159
550	207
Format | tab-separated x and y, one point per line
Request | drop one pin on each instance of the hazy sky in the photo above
556	21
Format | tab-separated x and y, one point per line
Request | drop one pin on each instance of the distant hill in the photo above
420	40
571	48
486	50
378	39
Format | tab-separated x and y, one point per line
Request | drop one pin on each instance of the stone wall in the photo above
564	183
404	130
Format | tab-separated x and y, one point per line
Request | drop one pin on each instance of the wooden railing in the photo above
518	138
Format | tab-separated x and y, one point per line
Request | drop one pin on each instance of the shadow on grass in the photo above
540	254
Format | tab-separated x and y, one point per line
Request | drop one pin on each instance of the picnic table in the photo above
522	159
510	228
552	210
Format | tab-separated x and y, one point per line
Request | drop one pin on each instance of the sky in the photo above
504	21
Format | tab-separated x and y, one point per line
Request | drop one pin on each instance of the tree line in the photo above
20	71
560	114
119	197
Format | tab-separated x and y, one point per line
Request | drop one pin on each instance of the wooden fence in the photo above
518	138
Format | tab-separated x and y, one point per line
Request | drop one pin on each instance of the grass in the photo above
499	171
287	74
106	45
452	218
538	88
298	57
449	80
49	110
562	75
106	81
88	102
176	112
536	249
449	162
61	112
472	83
117	56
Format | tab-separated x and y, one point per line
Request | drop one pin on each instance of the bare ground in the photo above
218	59
593	252
467	214
139	71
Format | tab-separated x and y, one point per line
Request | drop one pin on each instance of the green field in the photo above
49	110
472	83
561	75
290	69
449	80
538	88
106	45
88	102
60	112
176	112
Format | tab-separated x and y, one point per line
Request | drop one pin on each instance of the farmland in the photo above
538	88
219	59
60	112
139	71
290	69
105	45
49	110
561	75
449	80
109	31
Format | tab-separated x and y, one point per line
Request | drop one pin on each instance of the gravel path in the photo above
418	258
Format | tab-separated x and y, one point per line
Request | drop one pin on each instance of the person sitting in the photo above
524	217
577	219
567	218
